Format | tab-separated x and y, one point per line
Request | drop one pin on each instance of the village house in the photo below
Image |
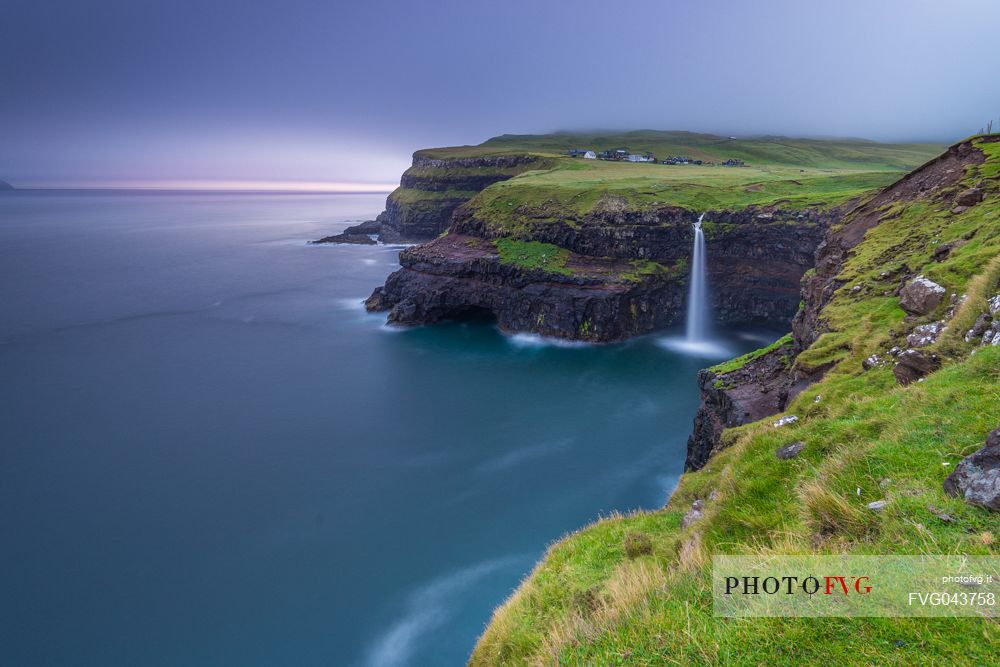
585	153
645	157
680	159
733	162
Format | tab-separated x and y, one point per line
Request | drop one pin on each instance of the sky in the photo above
124	92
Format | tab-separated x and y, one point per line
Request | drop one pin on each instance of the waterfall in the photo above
697	310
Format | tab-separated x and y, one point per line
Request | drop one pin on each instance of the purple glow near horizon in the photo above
121	90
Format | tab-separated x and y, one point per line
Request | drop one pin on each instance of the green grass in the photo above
533	255
414	198
740	362
571	189
854	154
866	439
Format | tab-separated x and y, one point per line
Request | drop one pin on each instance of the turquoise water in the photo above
211	455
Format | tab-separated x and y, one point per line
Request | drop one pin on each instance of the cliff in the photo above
4	185
621	232
621	272
863	431
763	387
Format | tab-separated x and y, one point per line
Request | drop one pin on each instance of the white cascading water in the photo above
697	310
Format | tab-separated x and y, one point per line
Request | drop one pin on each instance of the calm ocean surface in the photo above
211	455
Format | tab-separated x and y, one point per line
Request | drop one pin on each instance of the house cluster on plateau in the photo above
624	155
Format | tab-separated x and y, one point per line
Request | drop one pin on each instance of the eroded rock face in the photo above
759	389
756	256
431	190
976	479
458	276
755	265
921	295
911	365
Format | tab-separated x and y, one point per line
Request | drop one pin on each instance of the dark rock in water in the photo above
969	197
976	479
358	234
920	296
791	450
4	185
911	365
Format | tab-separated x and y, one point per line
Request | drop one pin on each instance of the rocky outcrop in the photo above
976	479
459	276
756	256
760	388
363	234
932	180
756	259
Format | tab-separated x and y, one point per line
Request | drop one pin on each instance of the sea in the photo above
211	454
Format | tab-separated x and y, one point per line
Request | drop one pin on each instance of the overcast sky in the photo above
309	90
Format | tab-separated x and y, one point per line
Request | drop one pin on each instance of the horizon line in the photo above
234	186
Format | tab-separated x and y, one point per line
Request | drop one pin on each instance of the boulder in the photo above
791	450
942	251
925	334
980	327
920	296
878	505
969	197
911	365
976	479
790	419
871	362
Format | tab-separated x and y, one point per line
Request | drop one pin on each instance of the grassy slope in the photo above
588	603
816	153
794	173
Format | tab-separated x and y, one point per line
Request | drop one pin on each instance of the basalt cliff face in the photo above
763	385
621	272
